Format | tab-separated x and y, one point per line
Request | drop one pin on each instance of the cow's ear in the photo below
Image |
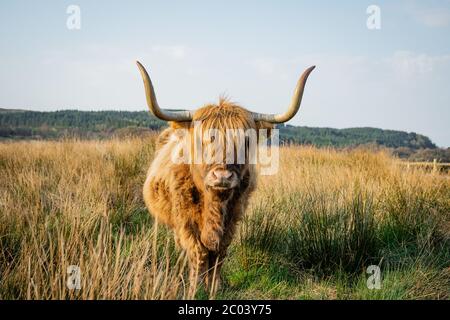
180	125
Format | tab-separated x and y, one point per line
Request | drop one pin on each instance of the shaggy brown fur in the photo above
203	219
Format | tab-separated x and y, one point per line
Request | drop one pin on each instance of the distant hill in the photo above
11	110
22	124
354	137
74	123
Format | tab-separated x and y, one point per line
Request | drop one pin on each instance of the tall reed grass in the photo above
311	230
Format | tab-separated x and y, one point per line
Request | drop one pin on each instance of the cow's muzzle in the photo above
221	179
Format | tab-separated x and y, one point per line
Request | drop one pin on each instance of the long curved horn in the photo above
295	103
153	104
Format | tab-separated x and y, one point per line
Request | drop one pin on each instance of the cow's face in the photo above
227	133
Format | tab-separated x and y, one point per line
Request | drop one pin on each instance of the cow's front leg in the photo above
213	279
216	258
198	265
197	257
212	225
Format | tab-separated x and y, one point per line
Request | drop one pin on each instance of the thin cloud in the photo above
435	18
265	66
411	63
432	17
177	52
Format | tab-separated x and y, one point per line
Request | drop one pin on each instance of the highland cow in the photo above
203	202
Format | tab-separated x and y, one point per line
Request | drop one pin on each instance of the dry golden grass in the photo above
79	203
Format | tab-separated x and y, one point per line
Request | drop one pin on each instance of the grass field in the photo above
310	232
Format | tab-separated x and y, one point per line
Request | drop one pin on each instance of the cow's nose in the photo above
221	174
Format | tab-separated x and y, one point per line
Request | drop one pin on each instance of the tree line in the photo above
20	124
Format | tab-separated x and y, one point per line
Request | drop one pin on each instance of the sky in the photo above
395	77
